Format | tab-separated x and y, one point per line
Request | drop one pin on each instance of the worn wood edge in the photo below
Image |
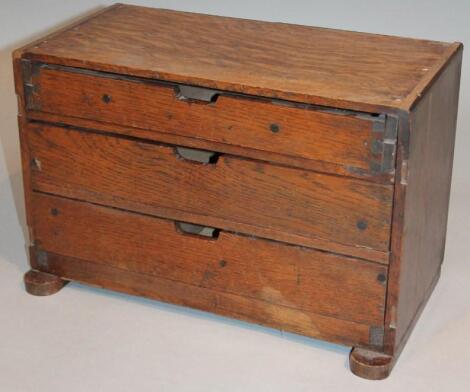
223	86
427	81
22	51
208	83
286	23
41	284
18	54
82	272
369	364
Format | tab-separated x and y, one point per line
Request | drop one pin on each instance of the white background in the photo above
85	339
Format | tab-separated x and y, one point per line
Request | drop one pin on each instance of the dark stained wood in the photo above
291	276
41	283
225	304
337	139
306	64
422	200
233	194
370	364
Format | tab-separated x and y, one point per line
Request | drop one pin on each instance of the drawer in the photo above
339	142
345	215
275	273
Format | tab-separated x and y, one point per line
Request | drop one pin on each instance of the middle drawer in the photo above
344	215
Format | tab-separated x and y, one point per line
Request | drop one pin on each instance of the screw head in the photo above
381	278
106	98
222	263
275	128
54	211
361	224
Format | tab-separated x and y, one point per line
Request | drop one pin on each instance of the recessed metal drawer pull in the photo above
192	229
191	93
195	155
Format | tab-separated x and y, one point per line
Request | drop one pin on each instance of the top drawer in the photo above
344	143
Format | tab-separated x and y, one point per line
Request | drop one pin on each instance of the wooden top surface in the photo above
306	64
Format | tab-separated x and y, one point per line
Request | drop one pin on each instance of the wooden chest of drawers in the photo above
290	176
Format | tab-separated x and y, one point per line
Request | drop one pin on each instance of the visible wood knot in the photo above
361	224
106	98
275	128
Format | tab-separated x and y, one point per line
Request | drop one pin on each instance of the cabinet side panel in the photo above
426	177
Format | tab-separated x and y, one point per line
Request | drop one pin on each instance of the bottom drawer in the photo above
310	292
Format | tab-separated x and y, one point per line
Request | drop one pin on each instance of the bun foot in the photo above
41	283
370	364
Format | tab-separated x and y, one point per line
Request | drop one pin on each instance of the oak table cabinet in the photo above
290	176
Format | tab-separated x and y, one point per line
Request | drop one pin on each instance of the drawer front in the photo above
285	275
345	144
234	194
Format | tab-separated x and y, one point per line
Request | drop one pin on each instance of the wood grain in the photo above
341	139
314	65
191	142
233	194
300	208
280	274
225	304
422	202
